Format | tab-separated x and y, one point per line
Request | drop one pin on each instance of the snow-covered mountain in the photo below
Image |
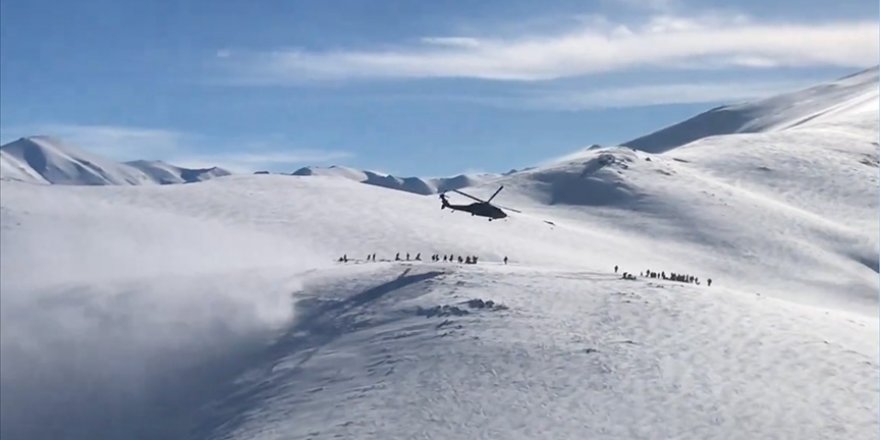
820	104
164	173
218	310
41	159
417	185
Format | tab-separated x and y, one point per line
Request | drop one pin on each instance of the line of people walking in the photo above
671	276
451	258
468	259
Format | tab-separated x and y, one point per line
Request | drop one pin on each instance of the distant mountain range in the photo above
42	159
416	185
46	160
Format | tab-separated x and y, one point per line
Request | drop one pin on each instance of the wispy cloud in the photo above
464	42
573	97
650	5
658	94
123	143
662	41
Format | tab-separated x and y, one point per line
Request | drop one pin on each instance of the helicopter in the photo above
482	208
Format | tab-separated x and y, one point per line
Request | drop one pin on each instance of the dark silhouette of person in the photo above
475	259
397	256
407	256
615	268
505	260
459	259
345	258
374	257
419	256
467	259
444	258
709	282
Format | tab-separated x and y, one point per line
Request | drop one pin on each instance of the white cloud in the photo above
657	94
663	41
451	41
651	5
554	97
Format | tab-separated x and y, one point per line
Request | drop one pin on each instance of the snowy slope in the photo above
12	168
41	159
217	310
157	300
759	215
415	185
852	94
414	351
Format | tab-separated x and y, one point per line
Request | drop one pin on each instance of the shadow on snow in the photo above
319	322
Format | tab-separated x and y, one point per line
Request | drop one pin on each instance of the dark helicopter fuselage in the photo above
482	209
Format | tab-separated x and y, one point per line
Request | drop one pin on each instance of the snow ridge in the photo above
832	100
42	159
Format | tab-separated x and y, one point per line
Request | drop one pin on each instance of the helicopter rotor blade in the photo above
468	195
509	209
495	194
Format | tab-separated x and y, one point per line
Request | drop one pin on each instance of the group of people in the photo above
467	259
452	258
672	276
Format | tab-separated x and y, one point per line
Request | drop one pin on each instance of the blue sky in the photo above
409	87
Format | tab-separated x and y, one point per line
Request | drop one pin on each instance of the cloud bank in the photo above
595	46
